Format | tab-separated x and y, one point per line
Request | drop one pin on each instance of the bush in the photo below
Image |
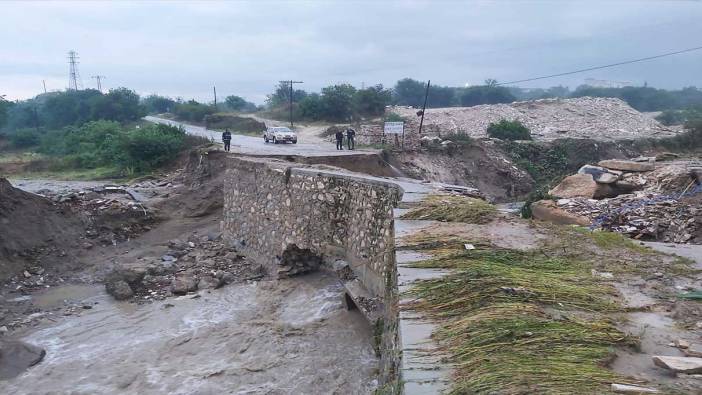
24	138
192	111
509	130
151	146
235	123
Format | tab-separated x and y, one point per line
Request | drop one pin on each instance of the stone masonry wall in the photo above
273	210
271	206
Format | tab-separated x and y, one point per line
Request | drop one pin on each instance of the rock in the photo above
183	284
228	278
664	156
168	258
689	365
87	245
626	165
694	350
606	178
161	268
26	274
680	343
119	289
209	282
599	174
546	210
581	185
632	389
3	329
17	356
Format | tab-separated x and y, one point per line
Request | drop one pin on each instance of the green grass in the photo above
609	240
492	317
450	208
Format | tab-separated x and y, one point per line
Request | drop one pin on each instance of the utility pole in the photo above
74	81
291	82
43	82
214	88
424	108
99	78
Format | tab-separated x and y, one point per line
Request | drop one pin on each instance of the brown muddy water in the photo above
290	337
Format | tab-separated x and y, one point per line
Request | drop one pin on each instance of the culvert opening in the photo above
296	260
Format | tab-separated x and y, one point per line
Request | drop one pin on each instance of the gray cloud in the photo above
183	48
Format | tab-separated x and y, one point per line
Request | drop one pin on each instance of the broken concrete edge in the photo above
270	205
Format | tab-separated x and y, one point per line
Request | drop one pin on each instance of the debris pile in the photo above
642	199
585	117
197	264
111	213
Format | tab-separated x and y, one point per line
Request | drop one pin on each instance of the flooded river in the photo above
293	337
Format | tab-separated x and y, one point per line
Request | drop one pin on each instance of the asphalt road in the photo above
256	146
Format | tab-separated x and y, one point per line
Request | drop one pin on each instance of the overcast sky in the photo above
181	49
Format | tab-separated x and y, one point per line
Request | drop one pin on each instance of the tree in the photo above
440	96
155	104
372	100
4	110
311	107
120	104
281	96
236	103
409	92
337	102
486	94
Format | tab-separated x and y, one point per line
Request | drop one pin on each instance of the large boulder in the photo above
581	185
119	289
17	356
547	210
626	165
183	284
122	282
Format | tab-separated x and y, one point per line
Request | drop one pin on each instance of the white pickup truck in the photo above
279	134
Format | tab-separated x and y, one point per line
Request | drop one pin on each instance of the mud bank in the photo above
289	337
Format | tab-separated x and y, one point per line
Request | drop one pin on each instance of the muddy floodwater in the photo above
293	337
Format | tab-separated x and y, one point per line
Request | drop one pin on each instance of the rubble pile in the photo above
585	117
645	200
111	214
197	264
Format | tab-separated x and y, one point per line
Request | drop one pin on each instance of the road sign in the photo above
394	128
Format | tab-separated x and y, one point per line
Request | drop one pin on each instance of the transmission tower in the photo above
74	81
99	79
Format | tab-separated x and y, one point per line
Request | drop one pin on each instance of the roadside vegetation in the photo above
450	208
87	134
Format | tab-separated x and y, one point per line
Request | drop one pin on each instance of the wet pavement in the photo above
290	337
251	145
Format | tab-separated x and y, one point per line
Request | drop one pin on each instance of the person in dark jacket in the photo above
339	139
350	136
226	139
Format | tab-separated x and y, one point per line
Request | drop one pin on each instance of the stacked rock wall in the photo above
272	207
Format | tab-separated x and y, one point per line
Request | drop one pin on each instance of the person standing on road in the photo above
350	136
339	139
226	139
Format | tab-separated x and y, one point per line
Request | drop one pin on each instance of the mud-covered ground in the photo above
247	334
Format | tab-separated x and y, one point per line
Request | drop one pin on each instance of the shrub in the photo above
25	138
151	146
509	130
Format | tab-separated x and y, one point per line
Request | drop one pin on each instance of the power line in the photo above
602	67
